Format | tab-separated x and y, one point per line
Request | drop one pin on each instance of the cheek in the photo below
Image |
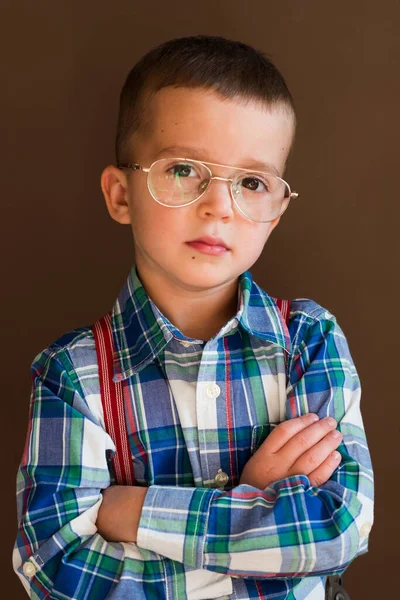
142	208
255	237
151	222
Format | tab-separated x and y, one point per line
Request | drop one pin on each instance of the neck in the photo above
197	314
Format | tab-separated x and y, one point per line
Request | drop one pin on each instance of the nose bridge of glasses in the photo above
207	182
221	178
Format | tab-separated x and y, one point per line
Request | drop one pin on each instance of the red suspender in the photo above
284	307
112	399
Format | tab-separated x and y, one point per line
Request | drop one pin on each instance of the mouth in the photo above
209	245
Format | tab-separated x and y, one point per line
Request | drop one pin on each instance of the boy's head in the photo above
216	101
231	69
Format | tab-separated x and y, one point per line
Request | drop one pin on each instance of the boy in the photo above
233	418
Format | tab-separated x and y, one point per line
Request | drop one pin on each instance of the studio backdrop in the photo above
64	260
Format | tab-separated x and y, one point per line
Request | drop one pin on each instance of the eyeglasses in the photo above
177	182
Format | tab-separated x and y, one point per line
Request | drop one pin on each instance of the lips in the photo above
210	241
209	245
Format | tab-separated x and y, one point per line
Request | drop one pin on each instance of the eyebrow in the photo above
202	154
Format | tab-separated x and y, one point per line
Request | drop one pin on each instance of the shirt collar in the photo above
141	331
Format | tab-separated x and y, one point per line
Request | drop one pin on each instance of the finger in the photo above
286	430
306	439
324	471
315	456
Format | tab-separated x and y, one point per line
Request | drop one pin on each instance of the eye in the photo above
254	184
181	170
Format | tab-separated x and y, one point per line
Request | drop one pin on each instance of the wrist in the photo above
120	512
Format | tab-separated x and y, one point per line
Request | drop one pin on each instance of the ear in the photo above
114	186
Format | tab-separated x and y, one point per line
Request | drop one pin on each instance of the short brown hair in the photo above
231	68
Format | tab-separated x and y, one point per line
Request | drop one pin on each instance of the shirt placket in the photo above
210	399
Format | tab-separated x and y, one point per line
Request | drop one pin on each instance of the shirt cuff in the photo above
174	521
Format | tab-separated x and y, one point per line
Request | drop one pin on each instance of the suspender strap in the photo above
112	399
284	307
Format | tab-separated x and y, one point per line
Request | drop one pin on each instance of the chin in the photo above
204	277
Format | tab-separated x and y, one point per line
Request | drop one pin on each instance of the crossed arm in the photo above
302	512
305	445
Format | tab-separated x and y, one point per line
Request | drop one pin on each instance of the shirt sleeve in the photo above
58	552
291	528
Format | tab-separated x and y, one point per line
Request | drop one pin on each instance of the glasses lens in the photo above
261	197
175	182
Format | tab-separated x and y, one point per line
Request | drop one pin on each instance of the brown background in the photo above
64	259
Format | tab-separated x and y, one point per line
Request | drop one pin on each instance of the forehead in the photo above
198	123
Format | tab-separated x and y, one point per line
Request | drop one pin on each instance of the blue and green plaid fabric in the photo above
194	408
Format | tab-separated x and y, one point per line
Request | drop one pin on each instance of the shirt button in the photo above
221	478
29	569
213	390
365	529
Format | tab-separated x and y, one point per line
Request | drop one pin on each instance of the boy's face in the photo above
196	123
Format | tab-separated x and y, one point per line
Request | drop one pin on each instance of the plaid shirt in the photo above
194	409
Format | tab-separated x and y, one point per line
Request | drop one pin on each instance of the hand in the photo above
119	514
301	446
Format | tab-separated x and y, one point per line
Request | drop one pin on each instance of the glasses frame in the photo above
137	167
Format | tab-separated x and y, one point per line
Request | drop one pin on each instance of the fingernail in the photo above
336	455
336	434
312	417
331	421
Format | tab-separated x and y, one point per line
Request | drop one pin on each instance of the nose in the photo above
217	200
